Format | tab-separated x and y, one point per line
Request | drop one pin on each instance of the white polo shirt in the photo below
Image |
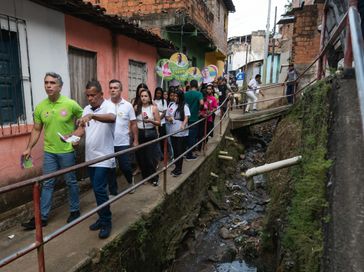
253	86
124	114
100	136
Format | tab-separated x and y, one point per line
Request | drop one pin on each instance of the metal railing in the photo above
357	44
41	240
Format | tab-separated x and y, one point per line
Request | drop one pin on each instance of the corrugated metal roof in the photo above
286	20
229	5
96	15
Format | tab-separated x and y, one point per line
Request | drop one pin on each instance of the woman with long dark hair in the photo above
148	120
140	87
177	117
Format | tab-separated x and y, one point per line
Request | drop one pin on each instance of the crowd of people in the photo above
113	125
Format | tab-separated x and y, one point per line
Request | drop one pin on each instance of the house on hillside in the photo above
300	41
76	40
246	53
196	28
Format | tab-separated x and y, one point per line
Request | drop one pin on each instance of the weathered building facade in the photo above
196	28
247	53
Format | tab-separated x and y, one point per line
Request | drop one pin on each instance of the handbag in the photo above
149	133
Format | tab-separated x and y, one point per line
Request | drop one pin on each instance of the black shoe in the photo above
30	225
156	182
191	158
176	173
95	226
114	193
73	216
104	231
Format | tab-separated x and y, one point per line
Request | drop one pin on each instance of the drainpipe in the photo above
320	69
348	54
271	166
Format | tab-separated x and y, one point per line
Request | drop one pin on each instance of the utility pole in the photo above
246	59
266	45
273	45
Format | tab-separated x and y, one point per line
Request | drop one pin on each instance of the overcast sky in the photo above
252	15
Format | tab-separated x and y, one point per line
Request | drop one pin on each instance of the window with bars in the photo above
12	101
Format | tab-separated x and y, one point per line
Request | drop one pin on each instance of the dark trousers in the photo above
179	147
201	131
192	138
124	163
146	156
290	92
98	177
162	132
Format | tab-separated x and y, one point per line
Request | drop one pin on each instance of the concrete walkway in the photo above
79	244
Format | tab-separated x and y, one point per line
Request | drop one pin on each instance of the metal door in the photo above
137	74
82	68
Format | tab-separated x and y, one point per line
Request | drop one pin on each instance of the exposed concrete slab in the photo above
240	119
344	246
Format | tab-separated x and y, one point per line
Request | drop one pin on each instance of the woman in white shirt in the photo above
161	104
148	119
177	116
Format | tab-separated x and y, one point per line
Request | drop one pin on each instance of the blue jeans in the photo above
98	177
51	163
192	138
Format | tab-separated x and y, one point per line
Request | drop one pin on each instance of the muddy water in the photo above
226	237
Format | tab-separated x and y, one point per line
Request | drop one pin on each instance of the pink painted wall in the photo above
112	62
11	148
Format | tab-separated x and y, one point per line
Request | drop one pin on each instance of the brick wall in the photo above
306	38
155	14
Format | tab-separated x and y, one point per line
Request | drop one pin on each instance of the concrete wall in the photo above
286	31
47	52
112	57
255	50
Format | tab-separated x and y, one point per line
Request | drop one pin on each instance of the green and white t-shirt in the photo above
58	116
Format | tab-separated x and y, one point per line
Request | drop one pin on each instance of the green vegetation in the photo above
304	236
302	188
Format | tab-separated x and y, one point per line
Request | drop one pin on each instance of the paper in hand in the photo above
71	139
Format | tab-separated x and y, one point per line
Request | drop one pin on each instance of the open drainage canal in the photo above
226	236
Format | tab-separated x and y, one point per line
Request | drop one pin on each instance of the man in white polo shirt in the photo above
125	123
97	122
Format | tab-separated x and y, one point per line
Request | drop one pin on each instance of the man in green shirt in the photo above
57	115
194	99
